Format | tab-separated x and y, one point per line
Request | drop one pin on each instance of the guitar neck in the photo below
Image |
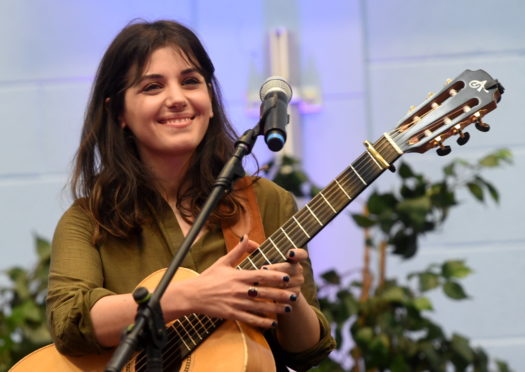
327	204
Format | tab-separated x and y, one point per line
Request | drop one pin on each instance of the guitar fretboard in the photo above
185	334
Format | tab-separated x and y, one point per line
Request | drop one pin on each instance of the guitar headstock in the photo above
463	101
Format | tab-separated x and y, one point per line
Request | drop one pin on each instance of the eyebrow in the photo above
159	76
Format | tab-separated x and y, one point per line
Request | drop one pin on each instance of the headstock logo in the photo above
478	85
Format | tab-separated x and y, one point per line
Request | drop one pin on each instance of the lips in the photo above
177	120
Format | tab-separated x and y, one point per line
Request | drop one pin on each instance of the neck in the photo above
168	173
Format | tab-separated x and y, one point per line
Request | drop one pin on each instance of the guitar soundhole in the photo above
170	363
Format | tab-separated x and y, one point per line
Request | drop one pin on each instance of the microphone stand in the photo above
149	326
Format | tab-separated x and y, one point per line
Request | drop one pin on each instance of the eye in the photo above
191	81
151	87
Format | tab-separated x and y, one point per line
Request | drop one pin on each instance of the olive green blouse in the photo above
81	273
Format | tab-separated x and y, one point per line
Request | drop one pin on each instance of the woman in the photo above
154	139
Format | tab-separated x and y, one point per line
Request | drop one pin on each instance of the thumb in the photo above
240	251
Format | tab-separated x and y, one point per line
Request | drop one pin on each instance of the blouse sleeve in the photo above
275	210
75	284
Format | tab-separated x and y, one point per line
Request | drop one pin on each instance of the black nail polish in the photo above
264	268
287	308
286	278
274	324
291	254
293	298
242	238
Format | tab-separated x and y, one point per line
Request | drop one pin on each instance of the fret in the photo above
393	144
285	234
342	189
180	336
192	326
265	258
313	214
358	175
327	202
201	323
298	224
374	160
250	261
239	267
277	249
189	336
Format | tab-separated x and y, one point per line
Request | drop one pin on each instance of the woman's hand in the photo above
250	296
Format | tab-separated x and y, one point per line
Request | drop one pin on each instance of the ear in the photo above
122	123
121	120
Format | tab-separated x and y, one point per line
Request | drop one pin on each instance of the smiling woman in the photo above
155	138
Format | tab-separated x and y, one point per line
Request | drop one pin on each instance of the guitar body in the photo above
232	347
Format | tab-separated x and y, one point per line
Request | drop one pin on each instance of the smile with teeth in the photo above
177	121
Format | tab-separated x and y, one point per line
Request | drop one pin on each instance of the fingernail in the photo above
286	278
274	324
291	254
293	298
242	238
287	308
264	268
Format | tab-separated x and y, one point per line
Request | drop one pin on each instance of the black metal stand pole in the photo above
149	326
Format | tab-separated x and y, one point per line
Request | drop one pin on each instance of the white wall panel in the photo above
419	30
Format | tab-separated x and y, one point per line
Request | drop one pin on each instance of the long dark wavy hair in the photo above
109	179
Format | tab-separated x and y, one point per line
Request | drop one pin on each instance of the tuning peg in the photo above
411	108
448	81
443	150
481	126
463	138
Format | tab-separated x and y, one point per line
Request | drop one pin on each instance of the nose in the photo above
175	97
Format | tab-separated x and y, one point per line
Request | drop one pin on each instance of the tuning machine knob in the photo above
481	126
463	138
443	150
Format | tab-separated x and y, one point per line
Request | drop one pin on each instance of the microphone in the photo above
275	95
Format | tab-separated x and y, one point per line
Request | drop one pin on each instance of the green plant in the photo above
22	308
386	319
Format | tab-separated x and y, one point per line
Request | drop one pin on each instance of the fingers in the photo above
244	247
275	295
297	255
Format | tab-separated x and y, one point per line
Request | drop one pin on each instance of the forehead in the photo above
166	56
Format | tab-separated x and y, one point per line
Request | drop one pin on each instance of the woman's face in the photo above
169	108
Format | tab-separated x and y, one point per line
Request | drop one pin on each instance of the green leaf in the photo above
423	303
462	348
502	366
496	158
450	170
454	290
428	281
394	294
380	203
455	269
363	221
415	210
43	247
364	335
405	171
475	190
331	277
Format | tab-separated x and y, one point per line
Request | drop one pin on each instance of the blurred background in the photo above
357	66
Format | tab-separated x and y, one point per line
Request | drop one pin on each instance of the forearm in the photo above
299	329
111	314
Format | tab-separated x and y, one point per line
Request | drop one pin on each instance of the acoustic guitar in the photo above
200	343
